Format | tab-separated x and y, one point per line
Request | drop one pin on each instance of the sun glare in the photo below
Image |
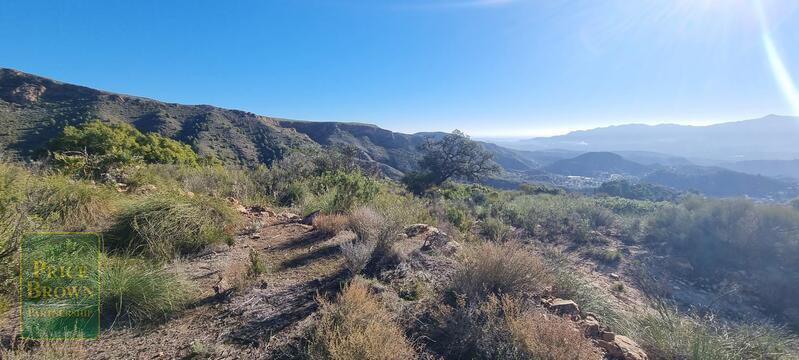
778	68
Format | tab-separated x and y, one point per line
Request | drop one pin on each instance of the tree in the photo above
454	156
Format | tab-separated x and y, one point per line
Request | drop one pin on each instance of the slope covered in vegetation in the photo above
316	257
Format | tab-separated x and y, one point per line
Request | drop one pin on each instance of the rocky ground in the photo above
268	317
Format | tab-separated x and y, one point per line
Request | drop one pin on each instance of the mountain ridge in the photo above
768	138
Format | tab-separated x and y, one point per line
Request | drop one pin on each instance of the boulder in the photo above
416	229
608	336
564	307
439	241
591	327
622	348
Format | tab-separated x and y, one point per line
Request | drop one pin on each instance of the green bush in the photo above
343	191
13	223
495	230
643	191
94	148
170	226
136	290
668	334
604	255
535	189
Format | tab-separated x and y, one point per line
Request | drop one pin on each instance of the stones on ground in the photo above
146	189
622	348
615	276
417	229
608	336
591	327
564	307
223	288
237	205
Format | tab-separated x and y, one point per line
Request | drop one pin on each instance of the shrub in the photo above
69	205
535	189
13	223
732	234
496	269
498	328
378	225
136	290
537	335
257	264
342	191
169	226
604	255
356	254
294	194
495	230
218	181
357	326
366	223
667	334
94	148
331	224
460	218
626	189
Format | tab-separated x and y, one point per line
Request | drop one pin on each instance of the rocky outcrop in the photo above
622	347
615	346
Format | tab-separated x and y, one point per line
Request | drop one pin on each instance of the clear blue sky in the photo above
490	67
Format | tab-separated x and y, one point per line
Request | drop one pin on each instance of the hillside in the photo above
773	168
595	164
33	109
770	137
715	181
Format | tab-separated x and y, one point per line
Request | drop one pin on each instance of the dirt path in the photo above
262	321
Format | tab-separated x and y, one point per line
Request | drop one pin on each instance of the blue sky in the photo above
489	67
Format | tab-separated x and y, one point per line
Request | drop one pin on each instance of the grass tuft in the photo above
136	290
498	269
168	226
357	326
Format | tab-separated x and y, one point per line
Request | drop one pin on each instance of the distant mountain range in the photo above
769	138
34	109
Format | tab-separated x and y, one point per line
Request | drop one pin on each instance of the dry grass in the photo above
357	326
68	205
501	328
494	269
365	222
356	255
48	350
537	335
331	224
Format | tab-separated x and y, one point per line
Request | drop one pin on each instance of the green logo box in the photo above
60	286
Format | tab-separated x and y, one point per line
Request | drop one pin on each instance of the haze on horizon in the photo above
494	68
